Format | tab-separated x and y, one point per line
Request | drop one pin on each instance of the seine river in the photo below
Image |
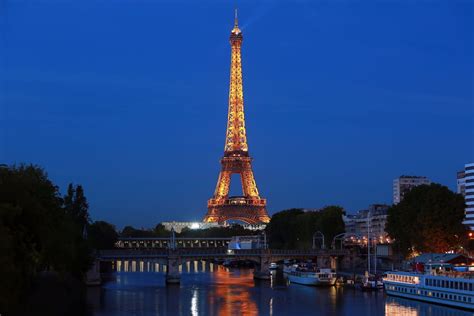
235	292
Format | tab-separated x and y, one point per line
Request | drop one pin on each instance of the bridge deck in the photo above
212	253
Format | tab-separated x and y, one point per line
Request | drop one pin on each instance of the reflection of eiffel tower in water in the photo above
249	208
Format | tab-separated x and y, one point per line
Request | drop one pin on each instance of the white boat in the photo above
320	277
447	288
370	283
273	266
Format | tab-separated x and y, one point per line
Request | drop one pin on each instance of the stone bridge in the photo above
172	259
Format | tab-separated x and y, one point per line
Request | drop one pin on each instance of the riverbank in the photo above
53	294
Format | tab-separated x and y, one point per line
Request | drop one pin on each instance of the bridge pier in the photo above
334	263
93	275
322	262
262	271
172	272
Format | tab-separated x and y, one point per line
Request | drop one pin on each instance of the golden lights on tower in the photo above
250	207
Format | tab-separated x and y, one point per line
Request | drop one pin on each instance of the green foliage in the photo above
283	229
129	231
76	206
160	231
36	232
429	219
102	235
294	228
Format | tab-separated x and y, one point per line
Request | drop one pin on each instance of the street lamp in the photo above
318	235
337	237
265	246
173	239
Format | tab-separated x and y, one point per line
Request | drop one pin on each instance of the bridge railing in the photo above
210	252
160	242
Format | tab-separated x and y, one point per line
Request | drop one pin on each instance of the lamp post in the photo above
318	235
265	246
340	237
173	239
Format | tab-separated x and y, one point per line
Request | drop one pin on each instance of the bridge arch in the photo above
246	220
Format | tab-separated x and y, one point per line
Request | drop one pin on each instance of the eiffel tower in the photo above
250	207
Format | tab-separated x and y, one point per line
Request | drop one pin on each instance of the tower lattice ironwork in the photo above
249	207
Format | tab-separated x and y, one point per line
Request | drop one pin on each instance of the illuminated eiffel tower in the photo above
249	207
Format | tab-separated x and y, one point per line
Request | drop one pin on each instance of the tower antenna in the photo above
236	18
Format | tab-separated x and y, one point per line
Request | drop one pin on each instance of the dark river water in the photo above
235	292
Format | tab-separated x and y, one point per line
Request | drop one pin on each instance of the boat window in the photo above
470	287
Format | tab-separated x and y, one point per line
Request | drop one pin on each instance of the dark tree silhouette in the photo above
429	219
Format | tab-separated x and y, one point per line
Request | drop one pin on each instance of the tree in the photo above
76	206
331	223
429	219
102	235
129	231
294	228
282	228
36	232
160	231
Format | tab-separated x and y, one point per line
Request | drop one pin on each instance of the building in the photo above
469	194
404	184
371	222
179	226
461	183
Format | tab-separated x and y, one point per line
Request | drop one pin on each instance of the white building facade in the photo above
370	222
404	184
469	194
461	183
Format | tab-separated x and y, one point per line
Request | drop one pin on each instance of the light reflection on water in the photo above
221	291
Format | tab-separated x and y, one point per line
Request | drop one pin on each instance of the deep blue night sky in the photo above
129	98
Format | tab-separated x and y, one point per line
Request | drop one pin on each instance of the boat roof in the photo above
436	257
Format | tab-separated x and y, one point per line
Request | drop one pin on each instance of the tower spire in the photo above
236	19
